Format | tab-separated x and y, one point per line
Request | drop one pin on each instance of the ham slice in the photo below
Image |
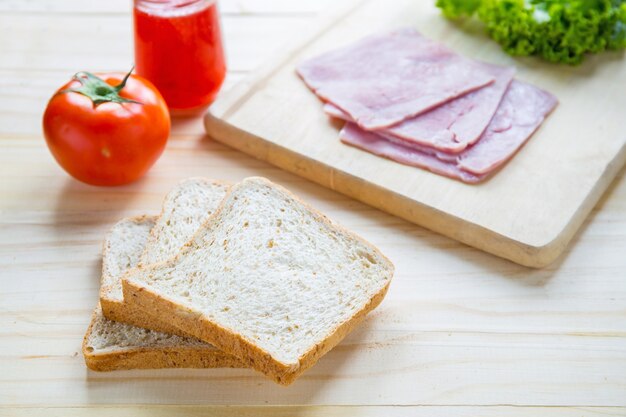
385	79
353	135
521	112
451	127
523	109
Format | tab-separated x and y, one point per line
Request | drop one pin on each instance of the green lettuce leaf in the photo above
556	30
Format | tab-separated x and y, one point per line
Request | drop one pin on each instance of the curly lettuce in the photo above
556	30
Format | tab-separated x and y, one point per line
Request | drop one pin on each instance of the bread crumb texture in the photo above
110	336
185	208
122	250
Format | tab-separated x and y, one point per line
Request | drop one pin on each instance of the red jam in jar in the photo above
178	46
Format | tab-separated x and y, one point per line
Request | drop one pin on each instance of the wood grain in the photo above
527	213
329	411
461	332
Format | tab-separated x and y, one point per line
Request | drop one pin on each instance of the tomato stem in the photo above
98	90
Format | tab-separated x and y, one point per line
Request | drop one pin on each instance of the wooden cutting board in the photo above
527	213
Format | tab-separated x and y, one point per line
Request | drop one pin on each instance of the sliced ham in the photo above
521	112
451	127
385	79
353	135
523	109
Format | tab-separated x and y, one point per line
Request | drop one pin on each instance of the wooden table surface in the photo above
461	333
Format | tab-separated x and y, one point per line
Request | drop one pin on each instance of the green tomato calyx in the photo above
97	90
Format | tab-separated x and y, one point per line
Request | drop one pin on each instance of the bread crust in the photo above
154	357
155	305
130	314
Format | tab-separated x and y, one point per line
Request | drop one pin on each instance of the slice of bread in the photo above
109	346
267	279
185	208
149	240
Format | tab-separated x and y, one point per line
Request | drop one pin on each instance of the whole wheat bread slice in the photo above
267	279
149	240
109	346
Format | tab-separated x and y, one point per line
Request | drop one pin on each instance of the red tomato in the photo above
107	129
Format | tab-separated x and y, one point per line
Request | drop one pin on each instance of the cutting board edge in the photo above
523	253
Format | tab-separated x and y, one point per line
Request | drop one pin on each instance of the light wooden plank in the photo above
329	411
59	44
427	369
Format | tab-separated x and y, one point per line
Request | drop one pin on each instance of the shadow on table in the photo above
81	205
84	213
522	275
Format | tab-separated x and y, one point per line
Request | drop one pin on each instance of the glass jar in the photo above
178	47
